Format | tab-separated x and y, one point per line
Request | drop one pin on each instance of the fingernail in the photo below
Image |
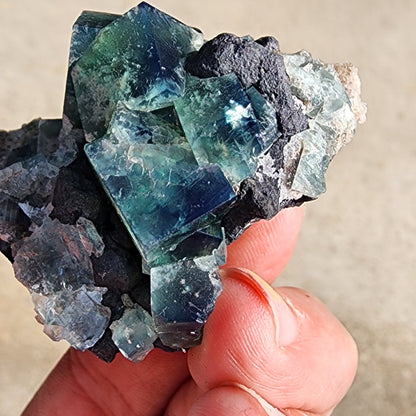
283	314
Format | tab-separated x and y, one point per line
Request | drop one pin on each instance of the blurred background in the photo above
357	248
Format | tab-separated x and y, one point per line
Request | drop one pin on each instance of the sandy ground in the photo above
357	247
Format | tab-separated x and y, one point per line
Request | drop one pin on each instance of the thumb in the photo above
284	345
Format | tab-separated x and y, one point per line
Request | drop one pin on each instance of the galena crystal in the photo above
116	217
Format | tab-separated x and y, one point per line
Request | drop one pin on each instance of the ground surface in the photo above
357	249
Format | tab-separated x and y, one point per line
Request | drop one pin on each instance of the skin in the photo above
264	352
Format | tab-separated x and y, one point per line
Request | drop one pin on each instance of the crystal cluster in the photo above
116	218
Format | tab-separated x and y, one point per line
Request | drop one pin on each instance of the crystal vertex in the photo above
116	217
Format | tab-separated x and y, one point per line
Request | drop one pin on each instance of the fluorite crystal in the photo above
183	295
74	315
58	256
137	59
220	125
331	120
145	163
134	332
116	217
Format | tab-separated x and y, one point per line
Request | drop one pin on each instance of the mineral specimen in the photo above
116	217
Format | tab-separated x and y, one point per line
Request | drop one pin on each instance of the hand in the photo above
264	352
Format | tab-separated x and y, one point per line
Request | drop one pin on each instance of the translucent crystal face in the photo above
220	125
58	256
331	120
183	295
133	333
145	163
74	315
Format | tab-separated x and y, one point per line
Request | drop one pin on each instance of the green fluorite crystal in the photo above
136	59
331	120
116	216
85	30
220	124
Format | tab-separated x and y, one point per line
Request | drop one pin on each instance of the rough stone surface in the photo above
255	65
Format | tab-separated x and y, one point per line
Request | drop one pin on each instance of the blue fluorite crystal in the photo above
266	118
58	256
145	163
201	243
183	295
74	315
133	333
137	59
220	125
20	179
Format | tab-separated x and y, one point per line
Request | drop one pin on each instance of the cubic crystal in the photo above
183	295
220	125
145	163
137	59
56	256
133	333
74	315
331	120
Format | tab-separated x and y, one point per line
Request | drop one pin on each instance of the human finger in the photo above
284	345
266	246
226	400
81	384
